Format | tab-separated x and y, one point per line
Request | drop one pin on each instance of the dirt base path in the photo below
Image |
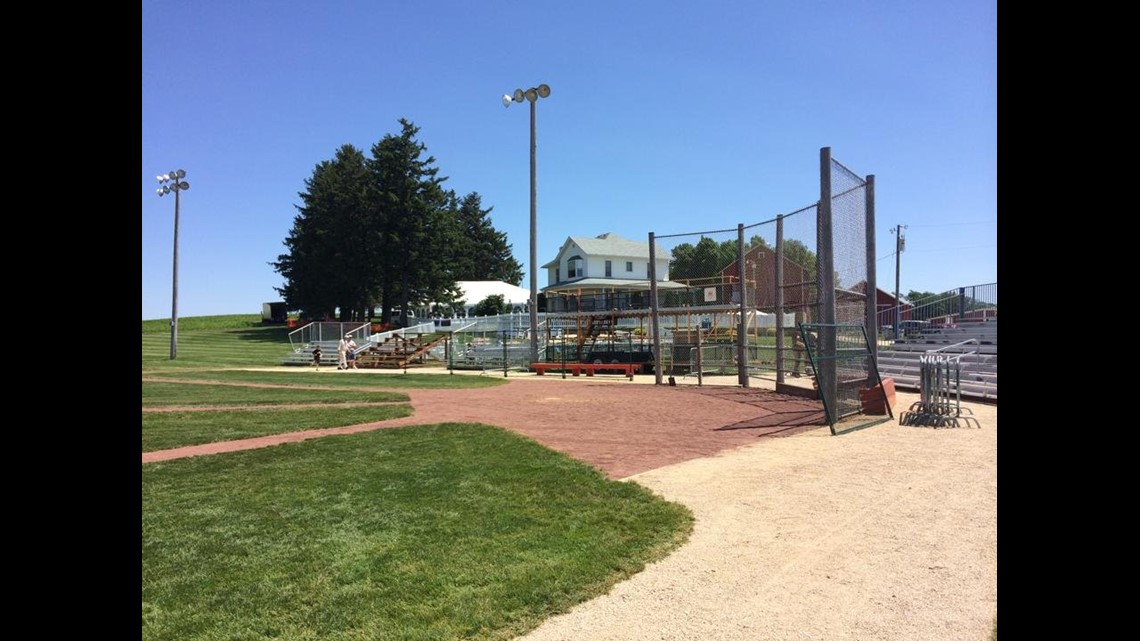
619	427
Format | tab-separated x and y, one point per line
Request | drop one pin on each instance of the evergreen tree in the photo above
478	250
408	225
320	267
382	231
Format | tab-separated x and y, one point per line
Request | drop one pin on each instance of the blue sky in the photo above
664	117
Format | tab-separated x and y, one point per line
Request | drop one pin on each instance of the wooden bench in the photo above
625	369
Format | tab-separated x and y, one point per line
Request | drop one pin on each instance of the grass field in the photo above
214	342
452	531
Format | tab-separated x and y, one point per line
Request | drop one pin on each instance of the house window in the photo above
629	265
558	274
609	268
574	267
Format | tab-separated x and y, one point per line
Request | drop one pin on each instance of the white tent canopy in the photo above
476	291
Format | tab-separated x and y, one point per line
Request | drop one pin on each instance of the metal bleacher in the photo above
328	335
972	344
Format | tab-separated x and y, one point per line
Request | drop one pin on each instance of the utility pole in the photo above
900	245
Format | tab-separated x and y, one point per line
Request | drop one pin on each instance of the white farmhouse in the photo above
602	273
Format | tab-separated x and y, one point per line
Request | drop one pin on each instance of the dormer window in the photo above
575	267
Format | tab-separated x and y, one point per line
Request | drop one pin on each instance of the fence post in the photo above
742	326
655	322
700	362
629	351
871	302
825	277
780	298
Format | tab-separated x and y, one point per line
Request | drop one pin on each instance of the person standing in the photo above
350	355
800	350
317	357
797	354
342	352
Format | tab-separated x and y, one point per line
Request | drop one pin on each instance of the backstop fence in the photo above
735	299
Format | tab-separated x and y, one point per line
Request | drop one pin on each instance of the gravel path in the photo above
888	533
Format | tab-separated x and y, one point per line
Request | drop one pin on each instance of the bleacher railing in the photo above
973	303
326	332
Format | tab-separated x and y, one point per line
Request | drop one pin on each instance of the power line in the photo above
969	222
943	249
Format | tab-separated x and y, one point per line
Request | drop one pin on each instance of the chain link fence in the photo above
698	306
735	300
732	307
491	344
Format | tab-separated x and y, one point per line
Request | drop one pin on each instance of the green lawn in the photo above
453	531
448	531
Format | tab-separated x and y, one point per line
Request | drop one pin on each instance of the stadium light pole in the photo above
531	95
173	182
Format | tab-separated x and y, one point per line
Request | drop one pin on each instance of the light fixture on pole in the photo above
532	95
173	182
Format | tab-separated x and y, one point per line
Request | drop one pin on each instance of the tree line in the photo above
707	258
945	303
381	231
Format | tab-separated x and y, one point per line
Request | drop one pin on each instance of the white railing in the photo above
968	341
327	332
422	328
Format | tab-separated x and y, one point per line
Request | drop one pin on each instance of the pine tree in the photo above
319	267
478	250
408	224
382	231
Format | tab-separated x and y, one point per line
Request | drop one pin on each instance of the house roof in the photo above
607	244
610	243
